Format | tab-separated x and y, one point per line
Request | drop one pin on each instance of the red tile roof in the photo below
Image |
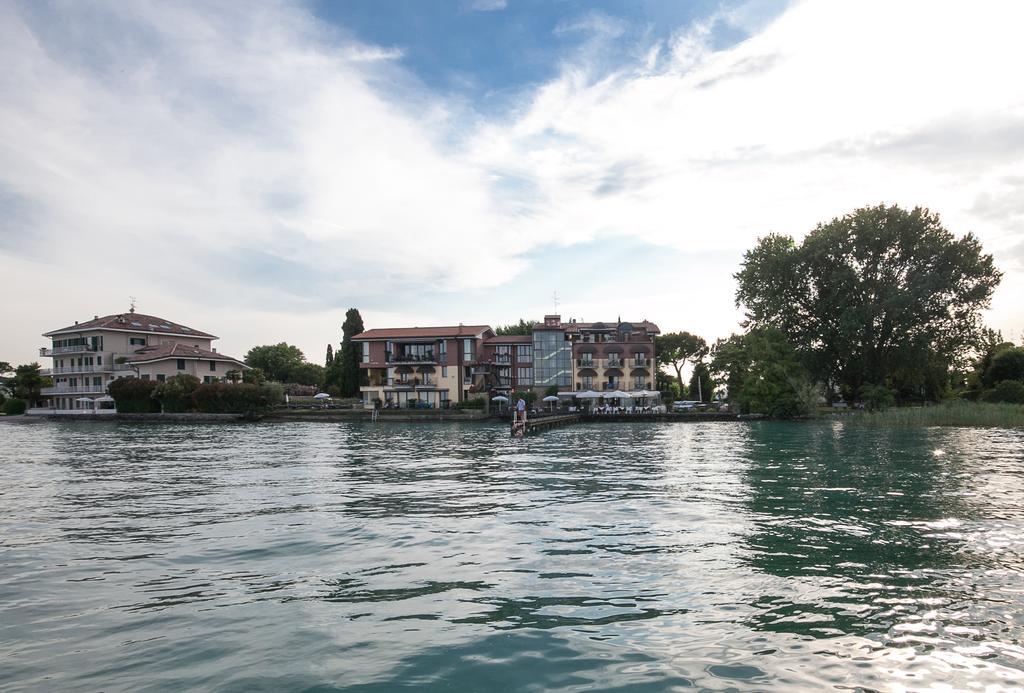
423	332
134	322
178	351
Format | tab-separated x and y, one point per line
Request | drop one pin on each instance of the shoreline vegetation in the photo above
946	413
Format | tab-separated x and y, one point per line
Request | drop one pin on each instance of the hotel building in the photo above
442	365
87	356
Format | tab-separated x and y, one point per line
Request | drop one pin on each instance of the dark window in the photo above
213	365
99	360
161	377
181	364
207	379
145	376
137	341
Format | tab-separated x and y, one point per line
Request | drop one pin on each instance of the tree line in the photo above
284	363
882	305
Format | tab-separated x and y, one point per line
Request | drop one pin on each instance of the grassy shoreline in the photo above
948	413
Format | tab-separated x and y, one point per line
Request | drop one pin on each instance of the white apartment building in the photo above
87	356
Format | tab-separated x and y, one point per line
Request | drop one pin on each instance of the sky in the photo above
255	169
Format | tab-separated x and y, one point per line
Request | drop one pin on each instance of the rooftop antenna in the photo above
132	308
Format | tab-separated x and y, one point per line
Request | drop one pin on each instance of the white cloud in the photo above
255	173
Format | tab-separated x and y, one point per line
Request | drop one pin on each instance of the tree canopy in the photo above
523	327
763	373
284	363
880	297
676	348
28	382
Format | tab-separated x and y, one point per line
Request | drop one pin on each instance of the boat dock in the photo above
532	425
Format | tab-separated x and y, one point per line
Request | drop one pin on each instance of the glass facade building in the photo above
552	359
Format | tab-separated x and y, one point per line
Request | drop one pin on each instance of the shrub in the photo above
175	394
1009	391
274	392
226	398
133	396
14	406
253	376
475	403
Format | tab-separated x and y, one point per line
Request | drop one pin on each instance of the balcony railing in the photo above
76	369
640	363
77	349
414	358
613	363
73	389
411	382
585	363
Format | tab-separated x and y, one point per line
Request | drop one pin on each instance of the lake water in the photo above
371	557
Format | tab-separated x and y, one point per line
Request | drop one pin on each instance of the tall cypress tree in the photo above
330	356
349	377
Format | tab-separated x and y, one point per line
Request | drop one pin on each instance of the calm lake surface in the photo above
371	557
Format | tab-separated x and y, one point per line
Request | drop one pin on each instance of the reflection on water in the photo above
449	557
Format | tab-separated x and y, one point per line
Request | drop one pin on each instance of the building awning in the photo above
614	372
640	371
584	372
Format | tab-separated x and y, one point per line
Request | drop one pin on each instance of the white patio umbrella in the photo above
499	398
588	394
321	395
617	394
104	398
551	398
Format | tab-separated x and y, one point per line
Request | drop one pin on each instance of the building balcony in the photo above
585	363
77	349
77	369
74	390
613	363
640	363
428	357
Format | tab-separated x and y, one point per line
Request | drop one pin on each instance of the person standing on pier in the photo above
521	409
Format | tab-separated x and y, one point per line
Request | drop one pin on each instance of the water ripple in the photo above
451	557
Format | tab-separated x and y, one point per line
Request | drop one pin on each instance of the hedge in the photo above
14	406
133	396
225	398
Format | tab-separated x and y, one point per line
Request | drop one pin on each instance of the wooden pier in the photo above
523	428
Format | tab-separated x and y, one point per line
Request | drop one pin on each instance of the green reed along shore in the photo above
948	413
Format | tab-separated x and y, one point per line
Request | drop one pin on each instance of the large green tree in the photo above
880	297
763	374
277	361
349	373
702	387
676	348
